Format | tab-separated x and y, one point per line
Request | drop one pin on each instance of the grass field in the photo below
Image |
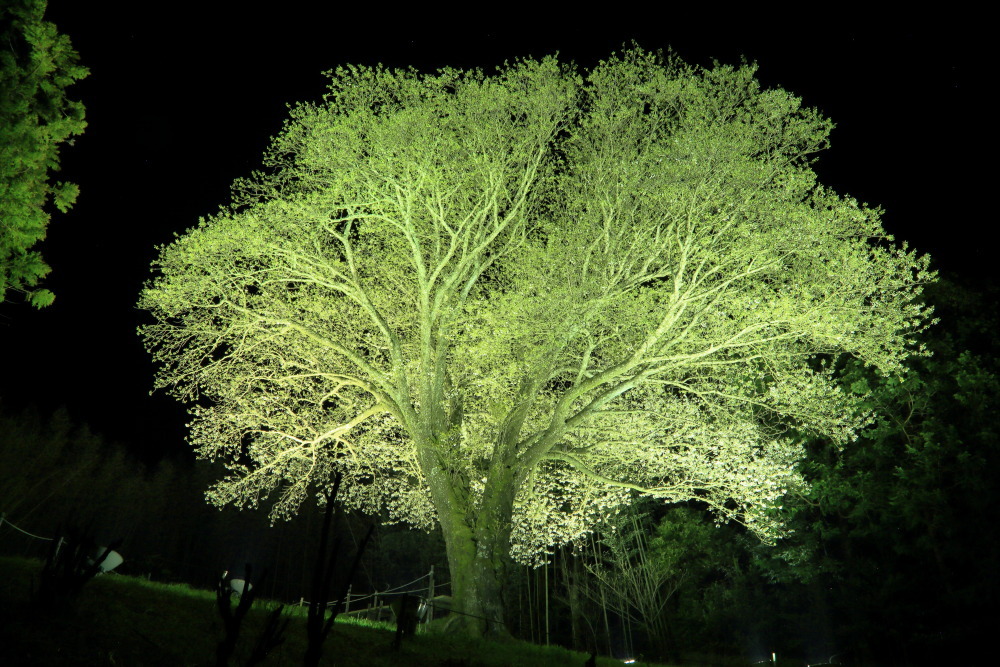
125	621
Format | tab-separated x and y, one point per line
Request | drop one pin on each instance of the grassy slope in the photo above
125	621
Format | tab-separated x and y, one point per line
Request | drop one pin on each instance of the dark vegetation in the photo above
321	617
892	562
272	633
131	622
72	560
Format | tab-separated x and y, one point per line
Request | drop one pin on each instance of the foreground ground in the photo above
125	621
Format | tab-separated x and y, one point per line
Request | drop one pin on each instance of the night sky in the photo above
182	101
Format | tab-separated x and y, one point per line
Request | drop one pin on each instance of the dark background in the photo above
183	98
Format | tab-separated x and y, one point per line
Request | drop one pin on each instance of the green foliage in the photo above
508	303
37	64
685	542
654	568
901	523
932	436
440	261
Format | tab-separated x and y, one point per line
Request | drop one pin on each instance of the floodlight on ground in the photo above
238	585
112	560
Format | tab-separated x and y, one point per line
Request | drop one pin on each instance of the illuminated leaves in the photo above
516	301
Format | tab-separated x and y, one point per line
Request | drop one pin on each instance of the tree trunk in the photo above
478	556
571	575
477	541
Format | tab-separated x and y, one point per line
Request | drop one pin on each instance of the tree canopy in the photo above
37	64
900	523
510	302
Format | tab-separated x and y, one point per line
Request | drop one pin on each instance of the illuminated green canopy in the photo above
515	300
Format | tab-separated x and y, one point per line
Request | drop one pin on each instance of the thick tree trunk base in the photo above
467	626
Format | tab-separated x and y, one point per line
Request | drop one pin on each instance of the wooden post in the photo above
375	606
430	596
347	600
302	601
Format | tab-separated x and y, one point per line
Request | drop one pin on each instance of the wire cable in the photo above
4	520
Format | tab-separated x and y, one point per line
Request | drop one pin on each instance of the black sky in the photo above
182	99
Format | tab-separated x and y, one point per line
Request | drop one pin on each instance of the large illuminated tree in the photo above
509	303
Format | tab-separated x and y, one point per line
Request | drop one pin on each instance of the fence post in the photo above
302	601
430	596
347	600
375	606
